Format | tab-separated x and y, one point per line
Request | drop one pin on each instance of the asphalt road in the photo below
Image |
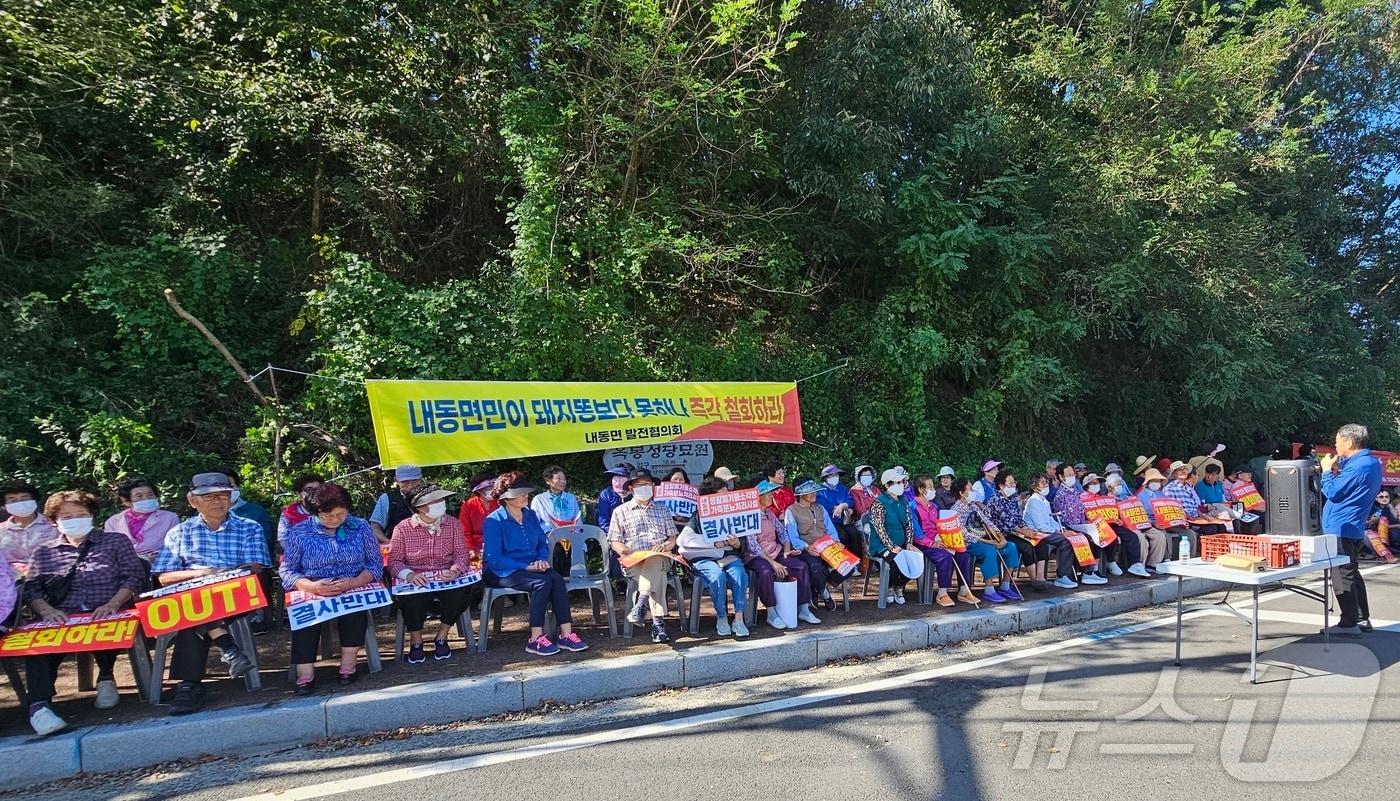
1088	711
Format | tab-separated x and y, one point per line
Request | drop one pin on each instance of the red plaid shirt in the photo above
415	547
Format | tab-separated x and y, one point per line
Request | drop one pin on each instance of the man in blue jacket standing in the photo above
1350	481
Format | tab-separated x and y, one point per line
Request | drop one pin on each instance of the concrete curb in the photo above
262	727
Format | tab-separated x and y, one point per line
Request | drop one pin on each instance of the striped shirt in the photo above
420	549
192	545
311	553
641	528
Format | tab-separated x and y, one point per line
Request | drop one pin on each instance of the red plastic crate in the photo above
1278	551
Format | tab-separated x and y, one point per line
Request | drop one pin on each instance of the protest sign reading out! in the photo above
729	514
197	602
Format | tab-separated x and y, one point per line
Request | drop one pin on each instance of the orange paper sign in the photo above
1167	513
1133	514
1099	507
187	607
1082	552
1380	541
836	556
1246	493
80	633
950	532
637	557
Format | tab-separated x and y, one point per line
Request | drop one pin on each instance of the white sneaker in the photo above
722	628
899	599
889	599
775	620
1065	583
1093	578
740	630
107	696
1114	569
806	616
1138	570
45	721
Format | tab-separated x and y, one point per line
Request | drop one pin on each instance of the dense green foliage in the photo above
1092	229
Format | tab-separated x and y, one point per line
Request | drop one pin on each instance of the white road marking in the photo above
416	772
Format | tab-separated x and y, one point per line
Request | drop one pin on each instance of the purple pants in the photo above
943	560
763	579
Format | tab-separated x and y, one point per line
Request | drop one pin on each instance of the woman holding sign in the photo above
807	524
428	547
987	545
771	557
719	565
330	553
1069	508
83	572
924	517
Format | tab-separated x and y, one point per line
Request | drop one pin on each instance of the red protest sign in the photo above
1246	493
1099	507
193	603
1167	513
1083	554
950	532
1133	514
80	633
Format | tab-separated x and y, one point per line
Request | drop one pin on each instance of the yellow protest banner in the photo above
447	422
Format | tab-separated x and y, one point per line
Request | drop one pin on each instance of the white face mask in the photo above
1094	488
867	481
1068	482
832	481
75	528
643	492
1008	491
233	498
146	506
1043	491
928	494
22	508
896	489
437	510
1154	485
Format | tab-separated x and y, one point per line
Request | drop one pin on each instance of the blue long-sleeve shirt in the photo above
608	500
1211	493
1350	494
832	497
508	546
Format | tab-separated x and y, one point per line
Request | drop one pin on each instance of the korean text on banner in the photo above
1099	507
199	601
305	609
1103	533
1247	494
836	556
447	422
80	633
1083	554
1167	513
729	514
434	585
1133	514
677	496
950	532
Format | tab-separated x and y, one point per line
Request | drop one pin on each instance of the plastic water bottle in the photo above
1183	551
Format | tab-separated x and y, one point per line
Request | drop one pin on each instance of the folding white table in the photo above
1196	568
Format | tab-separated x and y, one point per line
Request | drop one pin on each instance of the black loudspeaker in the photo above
1295	498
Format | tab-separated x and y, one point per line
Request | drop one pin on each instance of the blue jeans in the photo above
717	578
986	555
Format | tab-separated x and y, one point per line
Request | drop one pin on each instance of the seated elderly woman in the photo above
891	531
1048	535
807	522
430	546
515	554
83	571
142	520
329	554
924	517
771	556
1069	508
1005	511
987	545
720	565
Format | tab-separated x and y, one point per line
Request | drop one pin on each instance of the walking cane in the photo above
967	585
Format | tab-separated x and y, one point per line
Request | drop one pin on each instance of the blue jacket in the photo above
508	546
1350	495
832	497
608	501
